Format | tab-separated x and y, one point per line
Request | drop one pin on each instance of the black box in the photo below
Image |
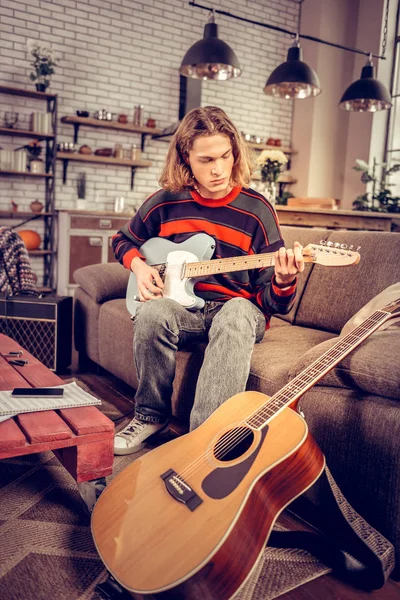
43	326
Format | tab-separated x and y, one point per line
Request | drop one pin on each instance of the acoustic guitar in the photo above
190	519
182	265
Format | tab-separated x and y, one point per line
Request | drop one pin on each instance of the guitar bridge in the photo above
180	490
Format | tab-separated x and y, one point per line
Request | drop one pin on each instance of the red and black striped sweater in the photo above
243	222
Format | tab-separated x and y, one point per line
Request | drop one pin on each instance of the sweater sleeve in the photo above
127	241
270	298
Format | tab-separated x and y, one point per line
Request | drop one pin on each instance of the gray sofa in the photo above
353	412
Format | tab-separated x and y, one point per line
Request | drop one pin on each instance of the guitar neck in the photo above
314	372
228	265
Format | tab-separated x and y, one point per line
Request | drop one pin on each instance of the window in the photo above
393	138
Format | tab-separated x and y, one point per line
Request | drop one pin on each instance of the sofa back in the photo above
328	296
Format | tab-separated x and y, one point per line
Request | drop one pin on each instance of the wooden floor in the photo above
324	588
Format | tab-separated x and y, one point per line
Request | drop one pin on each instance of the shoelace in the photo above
132	429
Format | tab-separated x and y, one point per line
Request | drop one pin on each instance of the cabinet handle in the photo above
95	241
105	223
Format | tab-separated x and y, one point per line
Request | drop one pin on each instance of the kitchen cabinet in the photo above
84	239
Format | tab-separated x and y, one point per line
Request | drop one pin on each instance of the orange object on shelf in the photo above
30	238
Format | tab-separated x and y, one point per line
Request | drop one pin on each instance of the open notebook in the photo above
73	396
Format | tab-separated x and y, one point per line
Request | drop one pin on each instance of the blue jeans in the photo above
162	326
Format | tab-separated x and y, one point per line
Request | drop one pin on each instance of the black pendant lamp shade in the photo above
210	58
293	78
366	94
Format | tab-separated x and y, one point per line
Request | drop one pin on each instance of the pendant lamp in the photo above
366	94
210	58
293	78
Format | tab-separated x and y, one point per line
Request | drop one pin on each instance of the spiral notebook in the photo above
73	397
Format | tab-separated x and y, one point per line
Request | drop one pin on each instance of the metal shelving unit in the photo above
48	215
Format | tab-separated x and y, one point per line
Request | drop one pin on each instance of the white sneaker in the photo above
131	439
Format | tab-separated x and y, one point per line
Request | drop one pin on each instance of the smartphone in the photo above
37	392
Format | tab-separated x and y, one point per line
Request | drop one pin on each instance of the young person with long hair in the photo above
204	188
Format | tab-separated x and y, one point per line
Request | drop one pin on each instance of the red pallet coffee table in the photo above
81	438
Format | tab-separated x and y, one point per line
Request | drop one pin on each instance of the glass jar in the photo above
135	152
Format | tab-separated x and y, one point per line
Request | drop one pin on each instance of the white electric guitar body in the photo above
170	259
182	265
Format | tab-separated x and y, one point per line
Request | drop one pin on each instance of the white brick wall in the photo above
119	53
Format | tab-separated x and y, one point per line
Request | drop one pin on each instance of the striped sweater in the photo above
242	223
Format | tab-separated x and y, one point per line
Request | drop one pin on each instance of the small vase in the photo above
36	206
270	191
41	87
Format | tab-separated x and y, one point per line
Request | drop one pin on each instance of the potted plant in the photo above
81	190
380	198
43	64
34	150
271	163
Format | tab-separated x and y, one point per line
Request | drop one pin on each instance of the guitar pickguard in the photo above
223	480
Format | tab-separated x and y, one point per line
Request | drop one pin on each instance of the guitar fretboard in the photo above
228	265
309	376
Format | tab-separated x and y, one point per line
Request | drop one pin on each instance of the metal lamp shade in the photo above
210	58
293	78
366	94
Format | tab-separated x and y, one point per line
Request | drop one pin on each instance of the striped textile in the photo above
242	223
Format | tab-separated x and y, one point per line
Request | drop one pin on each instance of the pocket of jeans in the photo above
134	317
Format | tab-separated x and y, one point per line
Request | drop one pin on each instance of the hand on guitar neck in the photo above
288	263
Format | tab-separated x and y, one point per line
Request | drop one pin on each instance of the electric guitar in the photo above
190	519
180	265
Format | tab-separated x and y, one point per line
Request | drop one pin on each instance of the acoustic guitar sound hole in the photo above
233	443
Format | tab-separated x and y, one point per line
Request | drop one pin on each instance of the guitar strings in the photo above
227	445
234	438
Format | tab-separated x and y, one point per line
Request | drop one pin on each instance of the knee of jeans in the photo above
236	313
156	313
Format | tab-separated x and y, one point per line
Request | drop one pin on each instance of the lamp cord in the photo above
385	28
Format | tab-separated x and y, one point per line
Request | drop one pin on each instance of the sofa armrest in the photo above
103	282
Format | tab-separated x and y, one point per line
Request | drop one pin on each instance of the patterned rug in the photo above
46	547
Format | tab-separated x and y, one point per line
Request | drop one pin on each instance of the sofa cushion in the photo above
103	282
279	351
334	294
372	368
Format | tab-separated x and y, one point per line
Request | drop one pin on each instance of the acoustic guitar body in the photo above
188	520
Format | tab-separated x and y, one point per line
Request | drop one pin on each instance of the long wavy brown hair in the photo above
208	120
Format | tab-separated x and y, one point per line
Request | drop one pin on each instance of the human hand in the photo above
288	263
148	280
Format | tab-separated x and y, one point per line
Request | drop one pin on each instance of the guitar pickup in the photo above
180	490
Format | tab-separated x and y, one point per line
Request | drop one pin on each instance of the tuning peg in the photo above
343	246
336	245
322	242
351	247
330	244
358	248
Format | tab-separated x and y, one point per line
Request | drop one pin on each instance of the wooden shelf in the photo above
26	174
284	149
5	89
25	133
90	122
39	252
102	160
105	160
44	290
4	214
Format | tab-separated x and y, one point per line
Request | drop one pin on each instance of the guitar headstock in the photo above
331	254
